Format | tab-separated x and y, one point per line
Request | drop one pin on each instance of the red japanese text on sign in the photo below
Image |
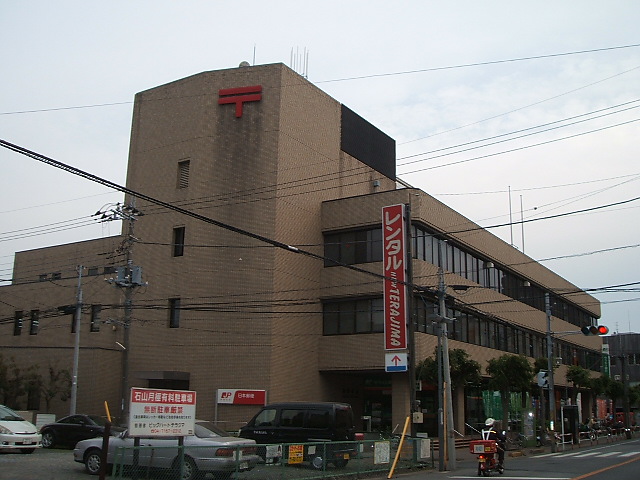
395	290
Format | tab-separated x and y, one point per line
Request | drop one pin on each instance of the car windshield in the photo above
9	415
208	430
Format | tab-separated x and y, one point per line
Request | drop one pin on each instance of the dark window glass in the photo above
35	322
174	312
266	418
353	316
363	317
474	330
17	323
178	241
374	245
292	418
377	315
95	318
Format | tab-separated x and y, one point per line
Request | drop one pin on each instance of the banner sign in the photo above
234	396
161	413
395	292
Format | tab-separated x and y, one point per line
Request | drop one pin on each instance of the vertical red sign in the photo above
395	291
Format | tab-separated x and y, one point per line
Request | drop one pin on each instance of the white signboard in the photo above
161	413
396	362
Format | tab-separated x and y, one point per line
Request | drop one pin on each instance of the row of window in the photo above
367	316
366	246
95	318
631	359
34	320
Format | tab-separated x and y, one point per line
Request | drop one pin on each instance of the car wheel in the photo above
48	440
92	461
340	462
318	463
189	471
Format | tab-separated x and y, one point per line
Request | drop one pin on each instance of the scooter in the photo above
487	451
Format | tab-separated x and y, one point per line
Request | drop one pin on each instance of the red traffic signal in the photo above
593	330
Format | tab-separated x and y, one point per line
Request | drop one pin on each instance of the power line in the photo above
479	64
457	162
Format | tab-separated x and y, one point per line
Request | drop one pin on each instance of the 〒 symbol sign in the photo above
239	96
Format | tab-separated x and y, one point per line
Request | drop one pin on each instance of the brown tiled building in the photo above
278	179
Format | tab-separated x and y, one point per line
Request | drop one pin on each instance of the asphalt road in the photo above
43	464
599	461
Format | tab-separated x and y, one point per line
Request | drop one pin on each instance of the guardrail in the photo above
299	461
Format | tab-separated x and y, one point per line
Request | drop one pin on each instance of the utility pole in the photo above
76	346
446	428
127	278
411	366
550	365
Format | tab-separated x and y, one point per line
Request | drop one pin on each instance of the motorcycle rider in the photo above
491	433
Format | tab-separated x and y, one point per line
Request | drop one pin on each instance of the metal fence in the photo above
273	462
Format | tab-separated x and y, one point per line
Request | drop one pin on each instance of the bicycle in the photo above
515	443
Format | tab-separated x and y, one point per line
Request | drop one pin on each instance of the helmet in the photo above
489	422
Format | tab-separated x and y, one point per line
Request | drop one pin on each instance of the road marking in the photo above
587	475
506	477
608	454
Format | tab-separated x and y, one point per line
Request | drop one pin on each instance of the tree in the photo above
464	370
581	378
58	382
509	373
12	385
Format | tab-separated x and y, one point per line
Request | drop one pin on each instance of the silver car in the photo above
211	449
16	434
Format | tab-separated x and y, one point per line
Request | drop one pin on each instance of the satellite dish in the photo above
244	63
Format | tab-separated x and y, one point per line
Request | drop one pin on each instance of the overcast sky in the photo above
553	86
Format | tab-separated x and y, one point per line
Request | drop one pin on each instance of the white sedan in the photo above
209	450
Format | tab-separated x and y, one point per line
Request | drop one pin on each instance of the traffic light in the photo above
593	330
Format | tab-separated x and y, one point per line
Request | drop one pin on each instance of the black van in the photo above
301	423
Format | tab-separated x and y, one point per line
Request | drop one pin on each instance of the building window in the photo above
183	173
353	316
35	321
174	312
350	248
43	277
95	318
109	270
17	323
56	276
92	271
178	241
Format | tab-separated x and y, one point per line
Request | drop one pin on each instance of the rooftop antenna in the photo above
300	61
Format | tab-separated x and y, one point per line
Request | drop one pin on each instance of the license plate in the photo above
481	460
244	465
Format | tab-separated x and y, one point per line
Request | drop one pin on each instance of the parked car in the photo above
211	449
71	429
16	433
329	425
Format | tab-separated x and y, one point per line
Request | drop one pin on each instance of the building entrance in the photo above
377	404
